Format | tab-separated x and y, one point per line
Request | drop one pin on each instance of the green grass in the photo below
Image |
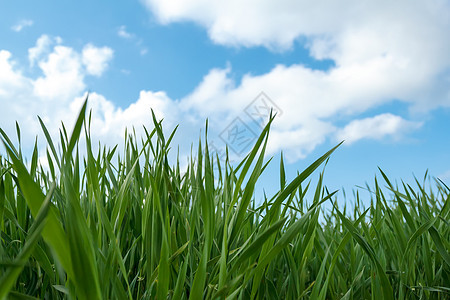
114	226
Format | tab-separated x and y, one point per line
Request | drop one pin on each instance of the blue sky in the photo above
374	73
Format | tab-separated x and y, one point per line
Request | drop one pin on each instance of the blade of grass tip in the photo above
76	130
121	203
53	233
248	161
246	197
172	135
18	134
12	273
8	143
400	203
49	142
207	206
158	128
301	177
443	183
282	173
79	237
34	158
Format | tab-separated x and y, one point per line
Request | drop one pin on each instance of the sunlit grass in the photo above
109	226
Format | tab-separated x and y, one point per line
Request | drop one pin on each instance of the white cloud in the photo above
58	93
22	24
110	121
309	100
378	127
279	24
52	93
42	47
62	75
123	33
381	50
96	59
63	68
10	79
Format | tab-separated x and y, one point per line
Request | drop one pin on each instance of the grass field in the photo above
130	226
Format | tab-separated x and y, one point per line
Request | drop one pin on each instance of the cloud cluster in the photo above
382	51
22	24
62	71
58	91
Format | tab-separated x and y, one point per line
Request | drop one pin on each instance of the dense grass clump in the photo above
109	226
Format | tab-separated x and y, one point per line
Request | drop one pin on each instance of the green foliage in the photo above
137	228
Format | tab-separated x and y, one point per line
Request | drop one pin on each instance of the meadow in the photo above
128	225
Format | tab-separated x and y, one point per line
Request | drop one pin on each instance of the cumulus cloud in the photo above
96	59
379	127
42	47
270	24
309	101
61	79
388	47
382	51
10	79
58	91
109	121
62	75
22	24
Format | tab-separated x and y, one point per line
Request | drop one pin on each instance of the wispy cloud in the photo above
22	24
123	33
